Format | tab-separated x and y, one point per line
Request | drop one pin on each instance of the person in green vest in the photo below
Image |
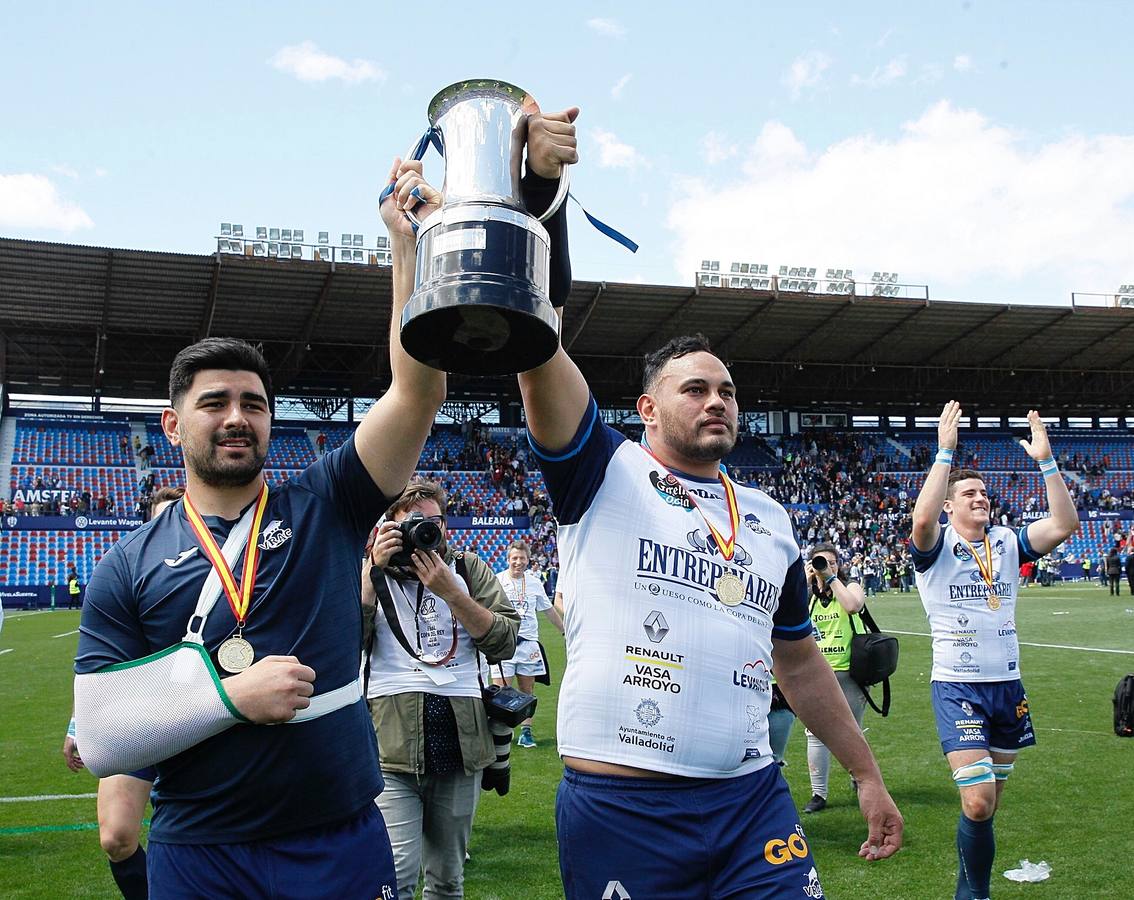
74	600
835	599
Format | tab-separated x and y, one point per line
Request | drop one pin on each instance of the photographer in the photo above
834	600
433	611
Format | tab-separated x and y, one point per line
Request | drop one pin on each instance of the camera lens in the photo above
426	535
819	563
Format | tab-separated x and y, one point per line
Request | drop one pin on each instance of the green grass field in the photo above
1070	801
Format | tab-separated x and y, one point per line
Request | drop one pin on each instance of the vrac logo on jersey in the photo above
274	536
967	708
671	490
962	552
753	525
813	888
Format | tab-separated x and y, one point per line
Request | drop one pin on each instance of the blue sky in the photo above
980	148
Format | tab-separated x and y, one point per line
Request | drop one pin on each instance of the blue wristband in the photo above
71	727
944	456
1049	466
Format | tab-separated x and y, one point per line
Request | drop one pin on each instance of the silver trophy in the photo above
480	304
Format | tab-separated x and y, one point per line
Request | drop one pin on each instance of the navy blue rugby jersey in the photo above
253	782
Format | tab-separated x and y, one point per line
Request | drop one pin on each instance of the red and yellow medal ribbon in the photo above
983	565
726	546
239	598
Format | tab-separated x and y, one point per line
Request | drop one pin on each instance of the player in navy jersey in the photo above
264	804
967	575
680	589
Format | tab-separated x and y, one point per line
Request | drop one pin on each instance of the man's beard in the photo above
206	464
711	448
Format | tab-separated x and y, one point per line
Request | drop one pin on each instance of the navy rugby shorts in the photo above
982	715
682	838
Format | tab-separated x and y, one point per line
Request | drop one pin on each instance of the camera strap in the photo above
386	601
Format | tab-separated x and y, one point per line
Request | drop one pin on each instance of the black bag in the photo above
1124	707
874	658
507	705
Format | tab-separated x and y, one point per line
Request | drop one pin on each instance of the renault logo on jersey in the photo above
656	627
615	891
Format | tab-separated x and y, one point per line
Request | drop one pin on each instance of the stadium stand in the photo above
855	487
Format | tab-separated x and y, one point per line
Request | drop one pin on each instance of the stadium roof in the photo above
89	320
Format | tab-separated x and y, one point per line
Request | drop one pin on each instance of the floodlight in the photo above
705	265
225	228
893	277
285	251
830	274
324	237
734	268
877	292
297	235
296	251
383	243
716	281
259	249
238	231
358	240
273	250
763	268
261	233
222	246
273	234
323	253
285	234
877	276
346	240
810	273
743	268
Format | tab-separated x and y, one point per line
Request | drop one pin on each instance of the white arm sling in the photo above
132	715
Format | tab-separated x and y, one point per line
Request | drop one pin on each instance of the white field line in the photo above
1030	644
9	650
37	798
65	633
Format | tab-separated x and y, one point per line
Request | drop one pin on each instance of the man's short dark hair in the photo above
960	475
217	353
675	349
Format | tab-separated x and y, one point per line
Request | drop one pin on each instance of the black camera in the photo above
418	533
819	563
507	705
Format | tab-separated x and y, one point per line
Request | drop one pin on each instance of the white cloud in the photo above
613	153
930	73
953	200
100	172
962	62
308	63
606	27
716	147
620	86
65	170
31	201
806	72
894	70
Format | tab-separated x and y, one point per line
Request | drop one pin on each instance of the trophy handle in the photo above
560	194
416	151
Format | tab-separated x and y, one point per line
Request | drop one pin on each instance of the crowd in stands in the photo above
855	490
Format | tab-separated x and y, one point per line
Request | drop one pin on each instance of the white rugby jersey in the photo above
971	641
528	597
427	625
661	674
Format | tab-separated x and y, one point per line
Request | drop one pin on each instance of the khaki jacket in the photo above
398	719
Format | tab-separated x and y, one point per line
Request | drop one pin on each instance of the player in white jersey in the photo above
680	590
528	596
967	576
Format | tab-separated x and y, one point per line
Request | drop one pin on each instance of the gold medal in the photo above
235	655
730	589
993	601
